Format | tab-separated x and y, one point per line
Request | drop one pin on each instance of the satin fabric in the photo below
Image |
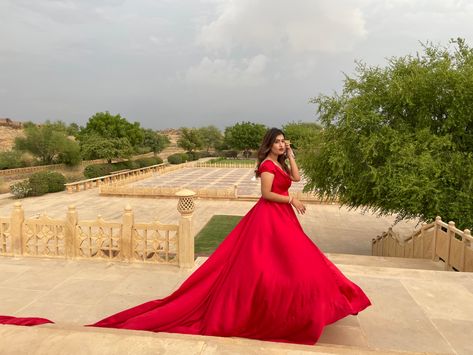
267	280
28	321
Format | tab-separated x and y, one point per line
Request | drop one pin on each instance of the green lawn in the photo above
213	233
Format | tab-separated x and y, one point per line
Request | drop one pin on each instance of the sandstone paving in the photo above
403	316
48	339
333	228
442	299
457	332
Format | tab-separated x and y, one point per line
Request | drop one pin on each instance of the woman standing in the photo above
267	280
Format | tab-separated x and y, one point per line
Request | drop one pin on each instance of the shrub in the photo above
193	156
148	161
20	189
229	153
56	181
178	158
43	182
11	160
96	170
38	183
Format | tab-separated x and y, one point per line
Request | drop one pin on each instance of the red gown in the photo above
267	280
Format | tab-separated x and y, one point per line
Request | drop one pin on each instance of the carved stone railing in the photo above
228	193
32	169
226	164
123	240
437	241
122	177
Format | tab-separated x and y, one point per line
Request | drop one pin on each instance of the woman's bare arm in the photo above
266	183
295	176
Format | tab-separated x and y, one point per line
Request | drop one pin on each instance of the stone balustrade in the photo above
228	193
226	164
437	241
124	176
124	240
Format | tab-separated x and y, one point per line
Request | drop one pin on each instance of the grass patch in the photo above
213	233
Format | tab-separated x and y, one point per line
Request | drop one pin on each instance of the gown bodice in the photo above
282	181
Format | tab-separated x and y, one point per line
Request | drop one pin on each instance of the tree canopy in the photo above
154	141
245	136
300	133
211	137
49	143
399	138
190	139
94	146
107	125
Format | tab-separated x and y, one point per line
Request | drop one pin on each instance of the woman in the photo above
267	280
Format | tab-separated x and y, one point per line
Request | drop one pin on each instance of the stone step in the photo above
386	261
66	339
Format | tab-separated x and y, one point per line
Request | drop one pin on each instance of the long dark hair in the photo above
265	147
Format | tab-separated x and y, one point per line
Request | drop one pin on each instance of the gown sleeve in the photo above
268	167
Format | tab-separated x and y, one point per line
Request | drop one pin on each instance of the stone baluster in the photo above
70	232
17	219
126	247
437	226
450	236
466	241
186	208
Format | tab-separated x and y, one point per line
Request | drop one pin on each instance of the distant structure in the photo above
7	122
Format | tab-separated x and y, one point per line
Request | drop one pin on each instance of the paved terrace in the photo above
219	178
333	228
419	309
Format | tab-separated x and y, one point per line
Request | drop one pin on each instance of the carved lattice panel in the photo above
43	236
156	243
6	247
98	239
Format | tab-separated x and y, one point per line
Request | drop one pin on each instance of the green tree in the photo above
47	143
70	153
11	159
73	129
301	133
154	141
211	137
399	139
190	139
107	125
94	146
245	136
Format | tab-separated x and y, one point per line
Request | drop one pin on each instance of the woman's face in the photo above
279	145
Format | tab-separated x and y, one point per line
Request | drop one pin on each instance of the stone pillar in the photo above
126	247
186	208
466	242
437	226
16	226
450	236
70	233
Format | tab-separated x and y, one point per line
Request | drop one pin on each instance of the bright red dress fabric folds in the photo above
23	321
267	280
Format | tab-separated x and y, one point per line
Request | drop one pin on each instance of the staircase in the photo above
416	309
436	241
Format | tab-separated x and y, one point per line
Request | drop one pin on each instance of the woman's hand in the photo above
298	205
289	152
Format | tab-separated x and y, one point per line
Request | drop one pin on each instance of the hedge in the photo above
39	184
96	170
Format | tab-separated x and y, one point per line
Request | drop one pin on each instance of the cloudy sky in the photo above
173	63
